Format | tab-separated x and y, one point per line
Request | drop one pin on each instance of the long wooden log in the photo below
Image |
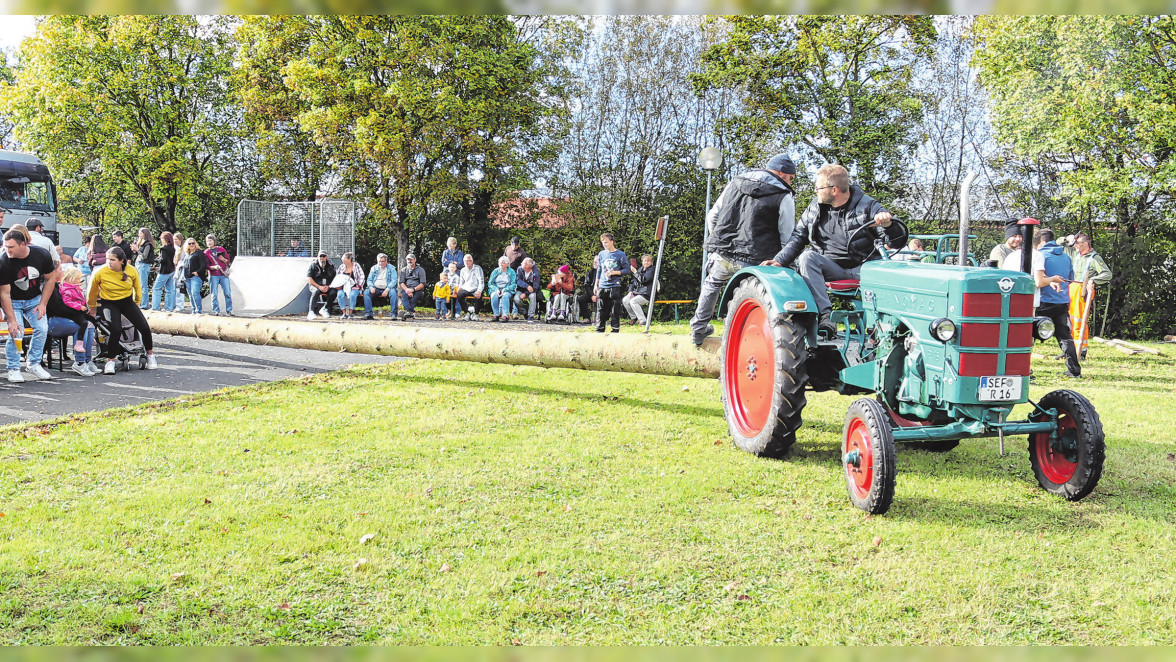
513	345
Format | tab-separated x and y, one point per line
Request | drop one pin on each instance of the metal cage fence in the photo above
295	229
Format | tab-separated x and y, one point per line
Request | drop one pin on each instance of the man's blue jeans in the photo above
194	284
221	283
165	288
144	276
23	311
409	301
369	299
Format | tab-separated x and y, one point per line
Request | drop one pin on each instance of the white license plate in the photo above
994	389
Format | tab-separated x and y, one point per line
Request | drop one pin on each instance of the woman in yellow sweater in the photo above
115	291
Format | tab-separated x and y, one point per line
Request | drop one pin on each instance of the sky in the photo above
13	29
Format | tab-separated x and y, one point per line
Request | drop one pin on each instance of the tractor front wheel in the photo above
763	374
868	455
1070	465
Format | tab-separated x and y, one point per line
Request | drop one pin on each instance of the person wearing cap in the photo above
820	244
412	286
1011	243
750	221
515	254
37	239
319	277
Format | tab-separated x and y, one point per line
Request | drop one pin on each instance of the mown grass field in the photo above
522	505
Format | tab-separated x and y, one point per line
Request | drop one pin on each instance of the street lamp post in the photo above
709	159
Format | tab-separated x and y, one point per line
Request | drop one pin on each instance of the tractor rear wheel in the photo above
868	455
1070	468
763	375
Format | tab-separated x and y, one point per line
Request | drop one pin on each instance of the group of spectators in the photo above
58	296
515	287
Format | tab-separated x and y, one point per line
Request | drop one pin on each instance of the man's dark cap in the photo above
34	224
322	254
1012	228
781	163
515	239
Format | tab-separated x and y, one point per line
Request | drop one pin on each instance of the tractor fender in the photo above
782	284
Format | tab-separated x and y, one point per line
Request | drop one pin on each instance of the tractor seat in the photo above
843	287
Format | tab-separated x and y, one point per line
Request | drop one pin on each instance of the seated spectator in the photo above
297	249
528	288
349	279
502	288
319	277
470	284
27	279
563	290
640	289
192	270
912	251
452	254
441	296
588	298
412	286
66	310
381	286
114	292
454	273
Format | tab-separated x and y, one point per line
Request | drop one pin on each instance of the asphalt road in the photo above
186	366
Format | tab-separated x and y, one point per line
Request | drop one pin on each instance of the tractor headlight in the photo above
943	329
1043	328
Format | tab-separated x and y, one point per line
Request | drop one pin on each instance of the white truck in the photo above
27	192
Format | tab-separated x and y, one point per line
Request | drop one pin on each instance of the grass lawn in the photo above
429	502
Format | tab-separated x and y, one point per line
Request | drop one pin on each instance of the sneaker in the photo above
94	369
80	368
39	372
109	370
616	330
151	362
15	376
368	317
697	339
324	312
229	314
310	317
410	316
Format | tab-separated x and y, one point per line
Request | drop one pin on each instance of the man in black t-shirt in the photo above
27	279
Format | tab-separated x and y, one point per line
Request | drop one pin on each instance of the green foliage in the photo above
839	87
137	107
415	111
1092	99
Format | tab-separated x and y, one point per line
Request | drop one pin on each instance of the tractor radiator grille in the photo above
977	365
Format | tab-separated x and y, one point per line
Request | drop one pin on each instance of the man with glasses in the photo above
838	209
752	218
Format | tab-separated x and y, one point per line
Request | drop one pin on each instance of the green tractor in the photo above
943	350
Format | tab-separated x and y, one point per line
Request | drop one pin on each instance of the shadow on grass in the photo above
525	389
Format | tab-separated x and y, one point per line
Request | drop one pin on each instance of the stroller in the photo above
130	342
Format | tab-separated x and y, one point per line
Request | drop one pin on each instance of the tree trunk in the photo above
639	353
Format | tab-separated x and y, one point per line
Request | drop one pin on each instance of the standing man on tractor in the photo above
836	213
1089	270
753	216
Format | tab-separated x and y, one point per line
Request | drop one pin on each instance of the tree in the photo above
137	103
1094	99
841	88
7	78
414	110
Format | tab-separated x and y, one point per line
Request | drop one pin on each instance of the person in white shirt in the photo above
470	284
37	239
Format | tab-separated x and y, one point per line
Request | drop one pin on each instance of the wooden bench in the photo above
675	303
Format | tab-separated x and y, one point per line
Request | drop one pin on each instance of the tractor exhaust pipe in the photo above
965	216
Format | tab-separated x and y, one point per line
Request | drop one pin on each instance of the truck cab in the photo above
27	191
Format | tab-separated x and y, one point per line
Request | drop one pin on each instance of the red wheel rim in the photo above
1054	465
861	478
750	366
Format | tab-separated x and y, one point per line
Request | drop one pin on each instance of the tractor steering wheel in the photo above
881	238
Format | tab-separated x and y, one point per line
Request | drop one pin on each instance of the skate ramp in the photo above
264	286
